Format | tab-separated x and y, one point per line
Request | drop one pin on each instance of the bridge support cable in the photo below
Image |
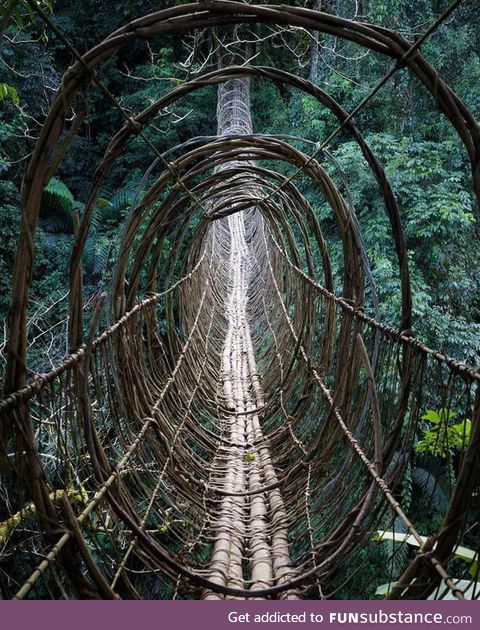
249	431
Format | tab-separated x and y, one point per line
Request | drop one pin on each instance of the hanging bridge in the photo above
229	423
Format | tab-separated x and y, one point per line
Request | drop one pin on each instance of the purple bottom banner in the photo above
236	615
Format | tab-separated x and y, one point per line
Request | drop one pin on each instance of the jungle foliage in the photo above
423	158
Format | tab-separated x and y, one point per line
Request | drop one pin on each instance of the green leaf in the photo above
444	437
9	92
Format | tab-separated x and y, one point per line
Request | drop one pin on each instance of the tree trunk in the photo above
314	48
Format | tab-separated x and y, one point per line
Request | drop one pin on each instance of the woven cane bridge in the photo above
228	422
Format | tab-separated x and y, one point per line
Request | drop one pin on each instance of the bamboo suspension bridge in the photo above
228	423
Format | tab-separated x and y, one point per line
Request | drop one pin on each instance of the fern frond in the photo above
56	210
96	256
430	488
57	195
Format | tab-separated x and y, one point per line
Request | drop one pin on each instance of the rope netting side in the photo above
246	432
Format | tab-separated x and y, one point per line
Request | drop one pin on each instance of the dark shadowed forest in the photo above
251	321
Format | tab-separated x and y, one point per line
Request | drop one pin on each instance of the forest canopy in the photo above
250	308
421	154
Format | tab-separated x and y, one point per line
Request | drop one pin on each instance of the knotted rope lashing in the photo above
230	435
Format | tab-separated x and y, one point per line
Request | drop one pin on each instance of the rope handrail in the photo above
371	467
38	382
280	439
105	485
459	367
